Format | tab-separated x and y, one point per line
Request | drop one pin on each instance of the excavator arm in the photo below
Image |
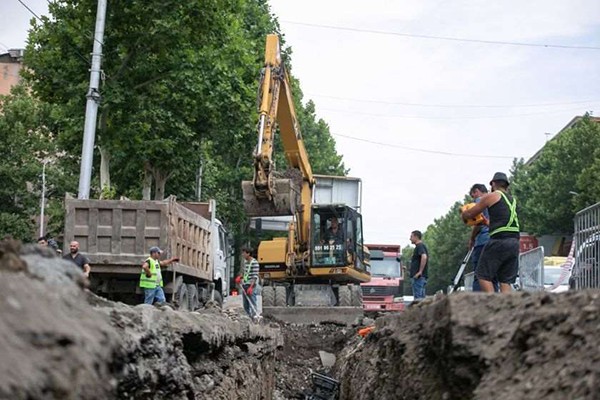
270	194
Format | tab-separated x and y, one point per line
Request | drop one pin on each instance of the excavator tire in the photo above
268	296
344	296
280	296
357	298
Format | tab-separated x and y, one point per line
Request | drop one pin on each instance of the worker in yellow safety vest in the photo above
151	278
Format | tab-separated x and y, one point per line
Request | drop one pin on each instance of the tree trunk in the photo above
147	188
160	180
199	182
104	153
104	168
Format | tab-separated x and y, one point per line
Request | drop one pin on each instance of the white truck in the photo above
116	235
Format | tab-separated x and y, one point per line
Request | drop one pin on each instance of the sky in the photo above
421	119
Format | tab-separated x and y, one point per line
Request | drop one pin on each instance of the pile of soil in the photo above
59	341
476	346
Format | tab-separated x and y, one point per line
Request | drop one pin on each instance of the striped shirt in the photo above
250	271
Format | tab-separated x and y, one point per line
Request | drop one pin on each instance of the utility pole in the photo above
43	205
91	108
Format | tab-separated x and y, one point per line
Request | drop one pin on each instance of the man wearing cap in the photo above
500	257
151	278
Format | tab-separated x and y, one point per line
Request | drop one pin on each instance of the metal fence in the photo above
586	272
531	270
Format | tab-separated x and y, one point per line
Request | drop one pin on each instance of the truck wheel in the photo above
357	296
268	296
192	292
280	296
183	303
218	298
344	296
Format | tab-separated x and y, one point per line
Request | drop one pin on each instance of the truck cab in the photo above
384	291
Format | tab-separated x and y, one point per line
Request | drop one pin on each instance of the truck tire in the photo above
192	292
218	298
357	297
344	296
183	303
268	296
280	296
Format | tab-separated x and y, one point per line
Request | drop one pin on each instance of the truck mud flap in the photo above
314	315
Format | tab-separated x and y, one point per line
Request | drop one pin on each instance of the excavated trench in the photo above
59	341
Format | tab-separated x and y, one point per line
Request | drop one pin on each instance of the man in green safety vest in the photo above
151	278
500	257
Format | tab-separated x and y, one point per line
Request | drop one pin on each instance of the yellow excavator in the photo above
322	261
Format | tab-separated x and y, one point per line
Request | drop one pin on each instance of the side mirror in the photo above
399	259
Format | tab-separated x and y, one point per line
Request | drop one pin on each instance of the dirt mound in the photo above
60	341
474	346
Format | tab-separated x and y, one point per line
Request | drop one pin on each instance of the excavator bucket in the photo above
286	198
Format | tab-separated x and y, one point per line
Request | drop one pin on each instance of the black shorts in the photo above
499	261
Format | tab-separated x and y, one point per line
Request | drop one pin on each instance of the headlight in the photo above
398	300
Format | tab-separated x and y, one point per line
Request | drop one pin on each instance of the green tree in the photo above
29	141
563	180
447	241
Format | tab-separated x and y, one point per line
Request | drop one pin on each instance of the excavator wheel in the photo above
268	296
357	298
344	296
280	296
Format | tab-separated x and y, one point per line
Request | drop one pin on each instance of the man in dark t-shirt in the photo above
79	259
419	265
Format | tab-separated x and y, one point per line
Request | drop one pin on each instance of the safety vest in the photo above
150	283
513	221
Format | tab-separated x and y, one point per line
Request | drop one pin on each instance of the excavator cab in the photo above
337	239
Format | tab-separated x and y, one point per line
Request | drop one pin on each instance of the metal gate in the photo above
531	270
586	272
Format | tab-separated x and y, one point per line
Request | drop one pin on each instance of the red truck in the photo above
384	291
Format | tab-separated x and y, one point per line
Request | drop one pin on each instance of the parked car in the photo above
552	276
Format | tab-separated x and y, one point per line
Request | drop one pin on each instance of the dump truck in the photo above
322	260
116	235
384	291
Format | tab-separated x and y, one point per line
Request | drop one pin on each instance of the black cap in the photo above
499	176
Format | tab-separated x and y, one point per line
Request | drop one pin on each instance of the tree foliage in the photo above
447	240
562	181
178	95
28	141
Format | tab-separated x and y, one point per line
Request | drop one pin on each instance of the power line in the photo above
42	21
449	105
90	33
421	150
447	38
446	118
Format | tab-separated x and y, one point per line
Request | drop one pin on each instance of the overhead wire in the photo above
446	38
449	105
422	150
352	112
68	44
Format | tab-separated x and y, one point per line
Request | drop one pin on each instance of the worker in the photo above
151	278
500	256
480	234
77	258
42	241
419	265
334	234
248	279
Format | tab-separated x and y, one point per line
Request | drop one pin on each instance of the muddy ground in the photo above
475	346
59	341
